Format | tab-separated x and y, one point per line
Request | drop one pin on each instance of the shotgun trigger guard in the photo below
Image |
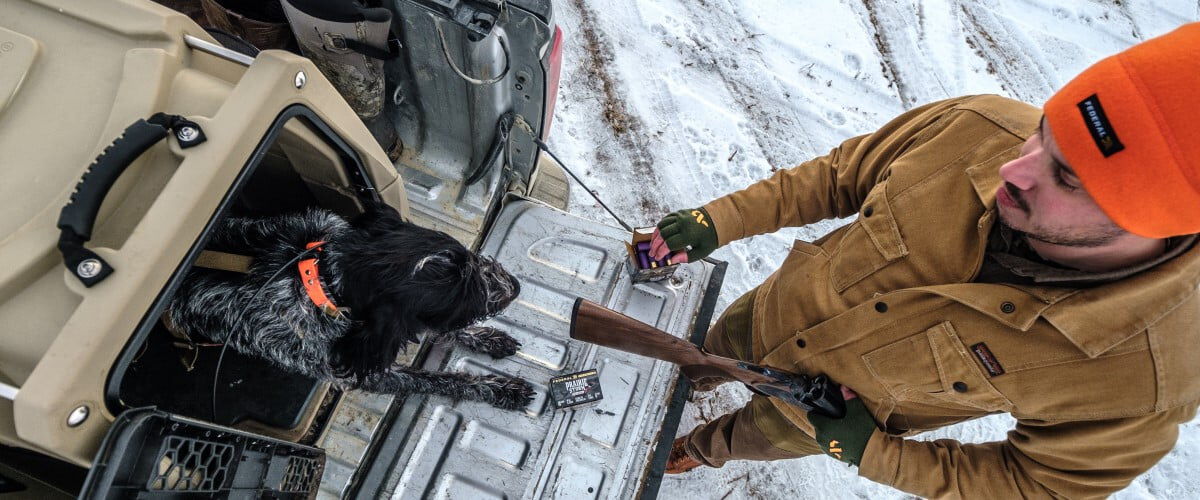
811	394
785	386
779	376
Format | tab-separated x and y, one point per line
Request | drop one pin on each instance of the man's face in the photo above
1042	197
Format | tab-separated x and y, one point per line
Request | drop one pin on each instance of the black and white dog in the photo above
388	281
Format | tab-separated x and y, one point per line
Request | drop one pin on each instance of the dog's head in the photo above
400	280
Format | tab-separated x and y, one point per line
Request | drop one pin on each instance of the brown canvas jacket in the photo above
1098	379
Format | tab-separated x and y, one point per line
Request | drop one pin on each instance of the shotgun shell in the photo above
645	245
643	259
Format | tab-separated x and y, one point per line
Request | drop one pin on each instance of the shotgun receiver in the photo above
599	325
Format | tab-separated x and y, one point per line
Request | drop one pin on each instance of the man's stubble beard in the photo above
1091	238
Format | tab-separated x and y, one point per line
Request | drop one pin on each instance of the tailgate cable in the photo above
524	125
437	23
546	148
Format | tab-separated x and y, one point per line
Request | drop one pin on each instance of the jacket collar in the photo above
1100	318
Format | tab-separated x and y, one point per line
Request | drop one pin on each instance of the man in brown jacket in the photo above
1005	258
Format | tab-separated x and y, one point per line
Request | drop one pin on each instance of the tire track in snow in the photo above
1123	8
883	45
902	40
777	130
634	159
1019	73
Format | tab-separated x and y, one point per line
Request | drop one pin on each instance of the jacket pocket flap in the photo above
934	367
962	379
807	248
869	244
881	226
905	367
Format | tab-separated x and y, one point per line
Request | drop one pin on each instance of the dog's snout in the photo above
502	287
515	284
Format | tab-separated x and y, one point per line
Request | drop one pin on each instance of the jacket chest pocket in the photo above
870	242
934	368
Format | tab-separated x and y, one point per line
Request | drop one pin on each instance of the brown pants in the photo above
757	431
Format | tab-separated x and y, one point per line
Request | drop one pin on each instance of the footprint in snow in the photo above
853	63
835	118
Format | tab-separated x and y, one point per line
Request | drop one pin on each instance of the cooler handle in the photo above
78	216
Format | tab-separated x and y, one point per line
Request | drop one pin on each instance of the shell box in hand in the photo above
576	389
642	267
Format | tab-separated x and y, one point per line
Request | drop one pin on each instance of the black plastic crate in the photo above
152	454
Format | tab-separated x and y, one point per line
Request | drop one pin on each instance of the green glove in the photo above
845	438
691	230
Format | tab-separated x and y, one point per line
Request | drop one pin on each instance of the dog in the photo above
380	283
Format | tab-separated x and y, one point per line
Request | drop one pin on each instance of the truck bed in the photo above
431	447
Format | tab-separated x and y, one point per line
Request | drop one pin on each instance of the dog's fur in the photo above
396	279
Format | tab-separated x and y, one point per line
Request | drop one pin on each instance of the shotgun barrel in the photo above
596	324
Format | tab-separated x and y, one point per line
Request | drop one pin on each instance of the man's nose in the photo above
1021	171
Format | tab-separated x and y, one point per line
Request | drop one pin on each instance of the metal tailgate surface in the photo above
471	450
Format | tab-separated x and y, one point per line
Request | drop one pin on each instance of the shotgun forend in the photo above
596	324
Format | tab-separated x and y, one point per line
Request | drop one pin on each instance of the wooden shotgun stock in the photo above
599	325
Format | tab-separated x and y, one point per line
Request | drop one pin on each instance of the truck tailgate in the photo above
444	449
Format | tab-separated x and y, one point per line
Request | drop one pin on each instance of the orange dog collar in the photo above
311	279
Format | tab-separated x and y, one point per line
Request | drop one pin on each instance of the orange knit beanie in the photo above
1130	128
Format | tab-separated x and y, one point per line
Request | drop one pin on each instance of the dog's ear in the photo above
386	329
379	218
436	268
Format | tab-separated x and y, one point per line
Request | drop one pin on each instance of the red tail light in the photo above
552	74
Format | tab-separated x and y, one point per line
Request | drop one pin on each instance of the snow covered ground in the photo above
667	104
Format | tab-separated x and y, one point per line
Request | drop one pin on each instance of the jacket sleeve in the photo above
1089	459
829	186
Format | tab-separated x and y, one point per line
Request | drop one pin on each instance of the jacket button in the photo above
881	307
1008	307
867	212
801	343
960	387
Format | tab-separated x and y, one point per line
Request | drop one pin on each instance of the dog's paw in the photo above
507	392
488	340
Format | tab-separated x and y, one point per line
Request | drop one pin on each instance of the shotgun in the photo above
596	324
